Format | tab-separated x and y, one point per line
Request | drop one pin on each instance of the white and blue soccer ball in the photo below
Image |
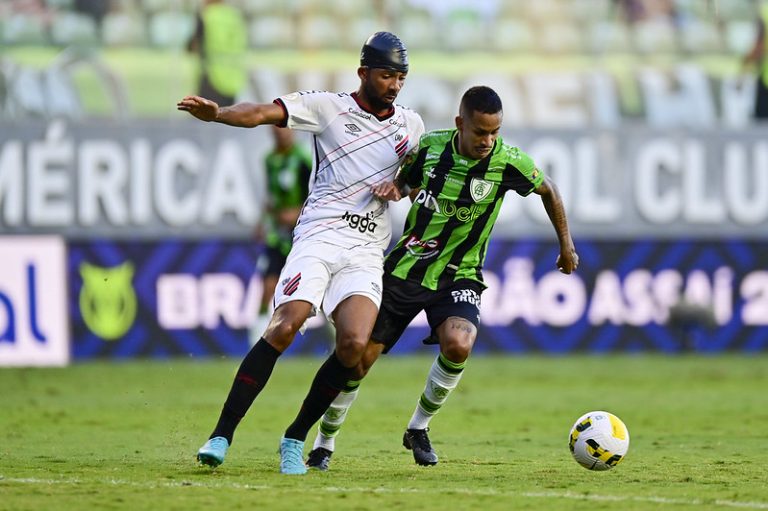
599	440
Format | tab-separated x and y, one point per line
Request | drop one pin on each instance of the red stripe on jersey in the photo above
351	141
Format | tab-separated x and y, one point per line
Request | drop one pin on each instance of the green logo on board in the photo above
107	300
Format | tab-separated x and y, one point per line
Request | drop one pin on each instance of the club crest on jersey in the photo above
291	284
402	146
479	189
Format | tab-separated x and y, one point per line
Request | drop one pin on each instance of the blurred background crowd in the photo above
547	26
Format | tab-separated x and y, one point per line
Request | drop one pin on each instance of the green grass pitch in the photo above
123	436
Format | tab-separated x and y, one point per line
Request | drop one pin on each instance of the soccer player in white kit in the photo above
359	142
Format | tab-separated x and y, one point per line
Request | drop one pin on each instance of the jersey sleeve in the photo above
413	166
307	111
522	176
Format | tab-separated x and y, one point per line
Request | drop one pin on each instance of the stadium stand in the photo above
547	27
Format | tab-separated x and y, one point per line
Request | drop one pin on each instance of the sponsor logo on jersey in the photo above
352	129
422	249
359	113
360	223
291	284
466	296
448	208
480	189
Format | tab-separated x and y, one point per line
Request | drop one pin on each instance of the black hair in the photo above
480	99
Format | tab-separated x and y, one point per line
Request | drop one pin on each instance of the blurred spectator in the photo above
757	58
96	9
36	8
220	40
633	11
441	8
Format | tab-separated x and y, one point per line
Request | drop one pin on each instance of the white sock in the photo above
334	417
443	377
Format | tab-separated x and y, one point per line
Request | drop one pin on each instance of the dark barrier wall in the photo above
196	298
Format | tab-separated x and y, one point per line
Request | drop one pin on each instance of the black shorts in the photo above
271	262
402	300
761	100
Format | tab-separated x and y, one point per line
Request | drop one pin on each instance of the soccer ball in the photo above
599	440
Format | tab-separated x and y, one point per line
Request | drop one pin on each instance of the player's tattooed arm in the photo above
568	260
243	115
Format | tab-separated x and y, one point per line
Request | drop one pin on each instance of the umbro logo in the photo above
354	128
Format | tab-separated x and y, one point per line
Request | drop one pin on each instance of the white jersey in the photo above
353	150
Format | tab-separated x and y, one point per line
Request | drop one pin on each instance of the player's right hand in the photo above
203	109
387	191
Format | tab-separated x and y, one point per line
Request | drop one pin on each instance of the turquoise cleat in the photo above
292	457
213	452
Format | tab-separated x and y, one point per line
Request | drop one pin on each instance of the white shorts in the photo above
324	275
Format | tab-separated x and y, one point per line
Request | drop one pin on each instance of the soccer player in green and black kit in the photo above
458	180
288	166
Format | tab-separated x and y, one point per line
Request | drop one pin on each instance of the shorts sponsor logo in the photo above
360	223
466	296
291	284
422	249
376	288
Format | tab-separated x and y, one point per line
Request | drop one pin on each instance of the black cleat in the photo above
418	441
319	458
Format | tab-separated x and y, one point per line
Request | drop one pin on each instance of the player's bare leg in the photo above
354	318
252	376
262	319
334	417
457	336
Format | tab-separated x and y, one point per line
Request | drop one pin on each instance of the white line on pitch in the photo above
463	491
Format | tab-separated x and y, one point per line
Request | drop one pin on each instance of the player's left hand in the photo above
568	260
386	191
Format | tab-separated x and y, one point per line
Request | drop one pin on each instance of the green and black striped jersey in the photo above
450	221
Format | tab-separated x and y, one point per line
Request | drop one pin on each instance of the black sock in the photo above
251	377
329	381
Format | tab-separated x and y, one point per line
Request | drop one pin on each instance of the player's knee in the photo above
281	331
457	348
350	348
